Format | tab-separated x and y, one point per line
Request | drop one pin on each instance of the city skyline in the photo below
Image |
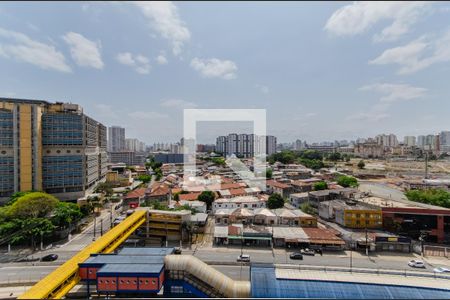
361	72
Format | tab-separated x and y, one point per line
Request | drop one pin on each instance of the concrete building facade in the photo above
116	139
52	147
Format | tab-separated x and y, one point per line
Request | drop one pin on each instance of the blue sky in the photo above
323	71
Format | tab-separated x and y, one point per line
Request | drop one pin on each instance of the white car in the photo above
416	263
441	270
244	258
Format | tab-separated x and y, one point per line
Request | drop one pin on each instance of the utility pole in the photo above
426	165
367	246
351	252
95	225
101	227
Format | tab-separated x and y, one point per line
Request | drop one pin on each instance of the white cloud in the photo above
263	88
85	53
395	92
360	16
164	19
392	93
161	59
214	67
147	115
417	55
177	103
368	116
139	63
22	48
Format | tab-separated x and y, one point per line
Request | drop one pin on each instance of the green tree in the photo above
318	186
145	178
269	173
33	205
105	188
207	197
347	159
361	164
33	229
275	201
438	197
335	156
219	161
66	213
307	208
347	181
14	197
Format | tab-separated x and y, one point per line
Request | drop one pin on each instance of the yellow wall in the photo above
39	111
25	148
357	218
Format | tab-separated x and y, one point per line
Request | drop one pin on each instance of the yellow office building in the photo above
52	147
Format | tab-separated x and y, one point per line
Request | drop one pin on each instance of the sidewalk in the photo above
435	261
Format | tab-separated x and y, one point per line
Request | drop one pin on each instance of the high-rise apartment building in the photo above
245	145
116	139
387	140
134	145
409	141
52	147
221	144
444	141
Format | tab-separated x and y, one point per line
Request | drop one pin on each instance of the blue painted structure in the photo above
264	284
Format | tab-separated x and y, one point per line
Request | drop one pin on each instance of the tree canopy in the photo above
275	201
347	181
361	164
269	173
207	197
438	197
145	178
33	205
318	186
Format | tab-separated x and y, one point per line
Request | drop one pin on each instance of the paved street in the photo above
224	258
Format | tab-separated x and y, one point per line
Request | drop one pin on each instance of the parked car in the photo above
177	250
308	252
50	257
296	255
416	264
243	258
441	270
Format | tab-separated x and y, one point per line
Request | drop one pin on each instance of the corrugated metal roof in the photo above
130	269
145	251
264	284
123	259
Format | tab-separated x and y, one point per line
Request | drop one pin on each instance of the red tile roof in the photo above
322	236
189	197
237	192
137	193
278	184
158	189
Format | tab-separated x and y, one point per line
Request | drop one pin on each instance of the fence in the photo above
436	251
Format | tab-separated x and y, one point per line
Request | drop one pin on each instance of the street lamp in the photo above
351	251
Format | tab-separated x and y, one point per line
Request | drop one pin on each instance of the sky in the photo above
323	71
